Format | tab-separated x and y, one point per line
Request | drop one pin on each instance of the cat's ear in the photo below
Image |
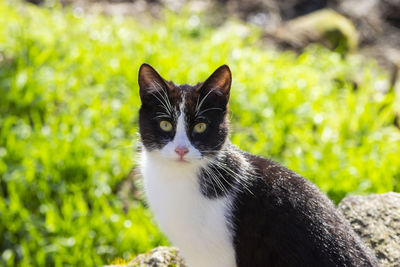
219	82
150	81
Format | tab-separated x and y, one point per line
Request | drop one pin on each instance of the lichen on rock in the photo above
376	219
159	257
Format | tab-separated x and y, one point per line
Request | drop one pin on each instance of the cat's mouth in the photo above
181	160
187	160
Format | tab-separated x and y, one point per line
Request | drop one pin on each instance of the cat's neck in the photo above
227	173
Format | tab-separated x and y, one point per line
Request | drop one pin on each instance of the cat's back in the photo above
287	221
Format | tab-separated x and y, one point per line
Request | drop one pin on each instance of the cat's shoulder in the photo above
275	178
268	169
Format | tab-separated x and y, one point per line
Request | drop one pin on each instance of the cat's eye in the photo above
165	126
200	127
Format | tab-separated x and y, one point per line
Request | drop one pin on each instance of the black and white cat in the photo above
224	207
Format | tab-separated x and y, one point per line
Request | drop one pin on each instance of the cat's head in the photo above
184	123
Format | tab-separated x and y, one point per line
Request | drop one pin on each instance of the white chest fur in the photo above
194	223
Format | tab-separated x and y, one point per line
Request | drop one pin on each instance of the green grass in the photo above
68	123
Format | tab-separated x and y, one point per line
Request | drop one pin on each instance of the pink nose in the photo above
181	151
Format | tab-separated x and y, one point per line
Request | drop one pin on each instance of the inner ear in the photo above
219	82
150	81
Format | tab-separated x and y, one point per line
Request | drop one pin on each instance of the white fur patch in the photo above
197	225
194	223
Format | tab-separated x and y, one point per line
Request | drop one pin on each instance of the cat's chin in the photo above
183	161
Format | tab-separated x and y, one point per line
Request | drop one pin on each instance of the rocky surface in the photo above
376	218
159	257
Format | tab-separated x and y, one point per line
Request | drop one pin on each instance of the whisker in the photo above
202	101
222	176
212	184
240	178
162	103
208	109
163	116
164	96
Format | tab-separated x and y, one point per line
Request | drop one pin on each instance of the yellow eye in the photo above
200	127
165	126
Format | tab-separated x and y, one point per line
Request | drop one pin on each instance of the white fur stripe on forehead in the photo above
181	138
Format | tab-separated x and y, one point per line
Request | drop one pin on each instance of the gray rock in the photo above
376	219
159	257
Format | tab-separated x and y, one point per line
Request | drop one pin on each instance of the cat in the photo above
224	207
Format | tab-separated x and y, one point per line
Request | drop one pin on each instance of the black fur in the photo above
281	219
287	221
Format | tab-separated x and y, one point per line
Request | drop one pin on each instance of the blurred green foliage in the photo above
68	122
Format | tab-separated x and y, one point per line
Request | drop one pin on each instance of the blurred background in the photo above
316	87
